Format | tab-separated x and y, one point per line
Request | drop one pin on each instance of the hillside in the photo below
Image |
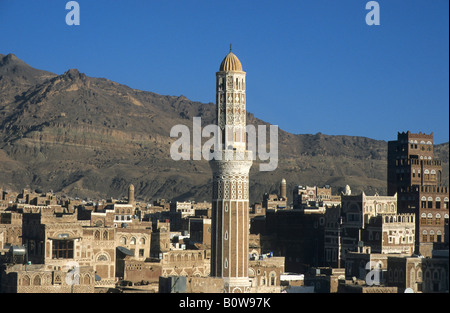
91	137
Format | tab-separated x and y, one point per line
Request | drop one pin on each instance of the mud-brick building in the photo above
54	237
419	274
41	278
416	177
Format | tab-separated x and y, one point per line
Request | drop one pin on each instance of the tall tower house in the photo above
230	167
416	177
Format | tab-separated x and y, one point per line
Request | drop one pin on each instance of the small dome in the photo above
231	63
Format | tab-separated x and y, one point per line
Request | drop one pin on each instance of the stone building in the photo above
137	240
367	222
265	274
10	229
332	237
419	274
54	237
200	231
416	176
296	235
185	208
390	233
360	263
273	202
160	239
185	263
306	197
131	270
40	278
276	201
324	279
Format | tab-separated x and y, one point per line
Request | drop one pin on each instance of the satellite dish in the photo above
409	290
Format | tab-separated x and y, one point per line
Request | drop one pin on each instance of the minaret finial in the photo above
230	47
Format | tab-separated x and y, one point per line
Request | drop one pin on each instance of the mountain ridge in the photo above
92	137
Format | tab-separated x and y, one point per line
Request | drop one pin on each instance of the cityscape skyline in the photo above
362	206
324	59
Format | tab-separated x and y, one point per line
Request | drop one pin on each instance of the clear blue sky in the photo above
312	66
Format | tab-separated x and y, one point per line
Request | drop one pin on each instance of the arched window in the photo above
438	202
142	241
102	258
431	236
57	280
423	201
436	275
133	241
272	278
123	240
430	219
438	219
37	280
26	281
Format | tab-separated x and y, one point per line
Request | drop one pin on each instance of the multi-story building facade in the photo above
416	177
307	197
369	223
418	274
53	236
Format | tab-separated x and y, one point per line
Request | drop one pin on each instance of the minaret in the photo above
231	166
283	189
131	194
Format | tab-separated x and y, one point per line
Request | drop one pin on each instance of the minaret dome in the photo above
231	63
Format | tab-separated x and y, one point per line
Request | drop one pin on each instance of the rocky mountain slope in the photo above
92	137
